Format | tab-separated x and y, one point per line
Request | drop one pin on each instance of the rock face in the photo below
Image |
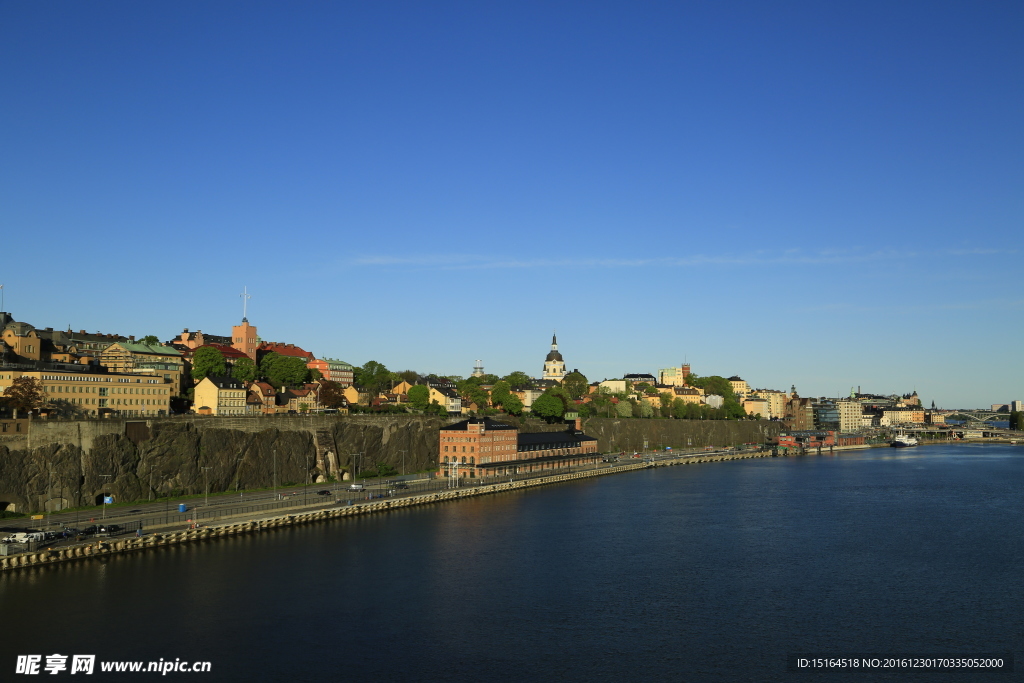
64	464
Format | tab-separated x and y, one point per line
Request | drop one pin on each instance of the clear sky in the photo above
825	194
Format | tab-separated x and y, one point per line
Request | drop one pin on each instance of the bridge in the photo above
978	416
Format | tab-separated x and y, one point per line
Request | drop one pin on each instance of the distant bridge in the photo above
978	416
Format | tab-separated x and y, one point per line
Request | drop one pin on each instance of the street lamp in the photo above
104	495
305	489
206	479
151	481
403	462
275	472
237	475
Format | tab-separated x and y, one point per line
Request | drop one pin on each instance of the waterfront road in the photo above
165	513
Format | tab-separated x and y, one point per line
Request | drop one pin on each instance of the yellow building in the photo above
145	359
220	395
756	406
93	392
675	377
776	401
739	387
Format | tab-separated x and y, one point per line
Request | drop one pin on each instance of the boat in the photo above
903	440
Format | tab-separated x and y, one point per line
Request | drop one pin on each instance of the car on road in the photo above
109	529
401	485
90	529
356	487
325	492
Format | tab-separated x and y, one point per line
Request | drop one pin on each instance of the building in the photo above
145	359
675	377
690	395
897	416
554	365
799	413
713	401
220	396
356	395
479	447
449	398
194	340
739	387
262	398
850	414
776	402
94	390
333	369
1015	406
478	369
805	439
639	377
302	399
245	339
285	350
754	405
613	386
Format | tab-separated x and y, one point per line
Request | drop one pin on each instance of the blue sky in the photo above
820	194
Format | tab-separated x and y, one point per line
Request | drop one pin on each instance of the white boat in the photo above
903	440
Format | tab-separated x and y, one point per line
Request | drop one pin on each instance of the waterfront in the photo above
713	572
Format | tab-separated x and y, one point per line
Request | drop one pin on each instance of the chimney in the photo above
579	424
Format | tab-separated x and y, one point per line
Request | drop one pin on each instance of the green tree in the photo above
332	394
548	406
478	396
419	397
436	408
410	376
373	377
1017	421
207	360
244	370
500	392
513	405
150	339
281	370
518	379
576	384
644	409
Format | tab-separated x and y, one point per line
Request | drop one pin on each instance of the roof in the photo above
286	350
225	382
639	376
153	349
553	355
735	378
488	423
569	436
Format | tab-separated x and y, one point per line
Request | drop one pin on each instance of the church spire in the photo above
554	342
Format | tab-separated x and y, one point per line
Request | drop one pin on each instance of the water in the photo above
713	572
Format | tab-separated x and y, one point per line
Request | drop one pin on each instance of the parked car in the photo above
109	528
90	529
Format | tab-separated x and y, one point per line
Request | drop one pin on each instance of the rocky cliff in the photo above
62	464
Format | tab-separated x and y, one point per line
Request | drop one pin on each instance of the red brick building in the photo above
480	447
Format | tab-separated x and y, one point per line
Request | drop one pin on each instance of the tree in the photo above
314	374
373	377
410	376
244	370
207	360
513	405
548	406
518	379
419	397
332	394
500	392
1017	420
645	409
624	409
281	370
436	408
575	384
150	339
25	393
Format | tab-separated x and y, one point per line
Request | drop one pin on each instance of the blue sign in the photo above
108	500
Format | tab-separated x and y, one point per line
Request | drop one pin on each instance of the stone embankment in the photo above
160	540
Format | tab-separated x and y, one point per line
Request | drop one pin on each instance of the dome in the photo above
553	355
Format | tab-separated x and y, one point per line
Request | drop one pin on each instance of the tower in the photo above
554	366
244	337
478	369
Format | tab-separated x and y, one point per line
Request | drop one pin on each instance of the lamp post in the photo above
275	472
49	492
206	482
403	462
104	495
305	489
237	476
151	481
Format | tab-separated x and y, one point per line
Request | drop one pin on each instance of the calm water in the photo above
711	572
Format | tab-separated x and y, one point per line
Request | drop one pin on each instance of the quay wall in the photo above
71	463
104	548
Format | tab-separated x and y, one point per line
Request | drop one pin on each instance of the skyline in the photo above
798	194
